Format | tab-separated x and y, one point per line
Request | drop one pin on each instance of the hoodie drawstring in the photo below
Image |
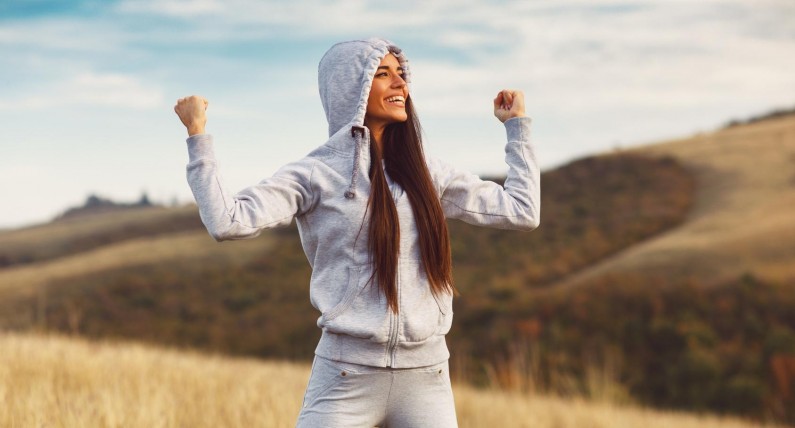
351	192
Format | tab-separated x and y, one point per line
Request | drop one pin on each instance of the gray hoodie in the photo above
326	193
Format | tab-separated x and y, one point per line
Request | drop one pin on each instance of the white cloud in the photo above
178	8
73	35
90	88
444	22
115	90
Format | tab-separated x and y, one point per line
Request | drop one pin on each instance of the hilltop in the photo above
742	219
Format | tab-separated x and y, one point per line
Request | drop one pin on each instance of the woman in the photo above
371	209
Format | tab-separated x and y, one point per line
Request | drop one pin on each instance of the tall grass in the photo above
522	370
52	381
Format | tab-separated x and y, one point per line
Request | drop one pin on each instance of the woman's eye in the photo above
381	74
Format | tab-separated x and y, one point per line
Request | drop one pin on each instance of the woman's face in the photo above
387	101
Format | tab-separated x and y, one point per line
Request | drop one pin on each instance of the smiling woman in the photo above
385	297
387	101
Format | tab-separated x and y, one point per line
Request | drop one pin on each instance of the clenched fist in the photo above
508	104
191	112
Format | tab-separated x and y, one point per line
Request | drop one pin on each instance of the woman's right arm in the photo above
273	202
514	205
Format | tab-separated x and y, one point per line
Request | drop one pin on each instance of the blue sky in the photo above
87	87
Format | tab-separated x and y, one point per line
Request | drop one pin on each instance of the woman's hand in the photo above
509	103
191	112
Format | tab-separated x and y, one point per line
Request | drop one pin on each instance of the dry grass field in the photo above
52	381
742	220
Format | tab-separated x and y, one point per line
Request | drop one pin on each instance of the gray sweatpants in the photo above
351	395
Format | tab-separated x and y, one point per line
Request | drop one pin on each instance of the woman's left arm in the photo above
516	204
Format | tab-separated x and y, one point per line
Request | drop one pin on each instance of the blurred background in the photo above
662	274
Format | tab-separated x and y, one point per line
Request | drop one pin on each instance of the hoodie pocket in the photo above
352	288
423	314
445	302
362	312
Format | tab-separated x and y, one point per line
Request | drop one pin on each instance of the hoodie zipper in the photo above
393	339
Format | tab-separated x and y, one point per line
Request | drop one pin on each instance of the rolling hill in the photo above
743	215
667	267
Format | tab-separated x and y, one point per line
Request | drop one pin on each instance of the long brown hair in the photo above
401	150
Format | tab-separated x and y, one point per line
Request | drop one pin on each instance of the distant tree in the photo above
96	201
144	201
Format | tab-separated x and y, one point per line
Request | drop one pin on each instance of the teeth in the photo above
393	99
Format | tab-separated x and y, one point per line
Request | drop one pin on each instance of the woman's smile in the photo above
397	100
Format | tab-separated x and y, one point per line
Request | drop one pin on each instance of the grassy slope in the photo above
78	383
90	231
742	220
715	242
578	209
48	253
184	288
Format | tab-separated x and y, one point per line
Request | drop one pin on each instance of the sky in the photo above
87	87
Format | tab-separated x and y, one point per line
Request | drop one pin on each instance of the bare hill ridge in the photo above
743	217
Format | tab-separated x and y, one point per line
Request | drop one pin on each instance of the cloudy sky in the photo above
87	87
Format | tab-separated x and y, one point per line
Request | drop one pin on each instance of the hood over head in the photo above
345	75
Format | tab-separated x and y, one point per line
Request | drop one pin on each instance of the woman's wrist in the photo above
195	129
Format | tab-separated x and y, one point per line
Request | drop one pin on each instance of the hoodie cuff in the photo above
518	128
200	146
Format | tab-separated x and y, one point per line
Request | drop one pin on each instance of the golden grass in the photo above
741	221
59	382
51	381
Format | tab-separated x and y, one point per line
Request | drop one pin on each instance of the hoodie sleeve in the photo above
516	205
274	202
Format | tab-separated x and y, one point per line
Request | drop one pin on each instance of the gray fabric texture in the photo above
351	395
326	194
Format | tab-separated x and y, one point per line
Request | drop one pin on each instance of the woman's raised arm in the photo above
516	204
273	202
